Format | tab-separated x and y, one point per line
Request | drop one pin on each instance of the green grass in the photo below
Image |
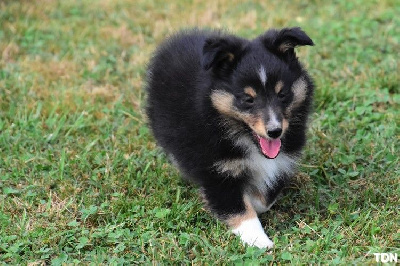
81	179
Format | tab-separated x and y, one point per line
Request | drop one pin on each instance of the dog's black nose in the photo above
274	133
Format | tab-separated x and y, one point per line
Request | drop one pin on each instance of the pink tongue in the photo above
270	148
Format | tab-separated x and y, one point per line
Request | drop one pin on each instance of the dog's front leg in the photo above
248	227
233	206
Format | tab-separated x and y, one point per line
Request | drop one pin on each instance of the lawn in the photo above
82	180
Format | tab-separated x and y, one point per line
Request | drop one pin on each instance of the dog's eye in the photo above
247	101
281	95
284	97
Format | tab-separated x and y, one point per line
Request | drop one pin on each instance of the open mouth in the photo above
269	147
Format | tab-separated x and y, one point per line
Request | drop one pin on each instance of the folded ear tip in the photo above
285	39
301	35
308	41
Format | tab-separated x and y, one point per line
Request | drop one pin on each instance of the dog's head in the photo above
259	85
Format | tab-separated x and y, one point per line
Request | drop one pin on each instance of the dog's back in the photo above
179	113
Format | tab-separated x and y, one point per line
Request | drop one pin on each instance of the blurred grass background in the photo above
82	181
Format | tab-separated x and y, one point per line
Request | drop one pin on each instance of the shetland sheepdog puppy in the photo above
232	114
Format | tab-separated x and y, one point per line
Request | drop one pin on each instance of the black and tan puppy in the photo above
232	115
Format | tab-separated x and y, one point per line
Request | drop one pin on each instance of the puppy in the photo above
232	115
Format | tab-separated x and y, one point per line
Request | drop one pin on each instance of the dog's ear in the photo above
285	40
221	53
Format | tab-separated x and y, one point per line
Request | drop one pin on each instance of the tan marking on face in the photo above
258	126
223	102
278	86
250	91
285	125
299	89
250	213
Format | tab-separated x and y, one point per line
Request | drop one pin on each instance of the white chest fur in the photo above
267	171
265	174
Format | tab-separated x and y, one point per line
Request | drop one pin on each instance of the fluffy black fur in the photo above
183	75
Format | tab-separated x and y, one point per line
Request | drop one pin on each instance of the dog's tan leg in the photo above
248	227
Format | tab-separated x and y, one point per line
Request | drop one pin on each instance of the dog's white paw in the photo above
252	234
260	241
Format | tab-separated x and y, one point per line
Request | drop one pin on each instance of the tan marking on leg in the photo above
278	86
204	199
250	91
236	220
248	227
258	201
259	196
